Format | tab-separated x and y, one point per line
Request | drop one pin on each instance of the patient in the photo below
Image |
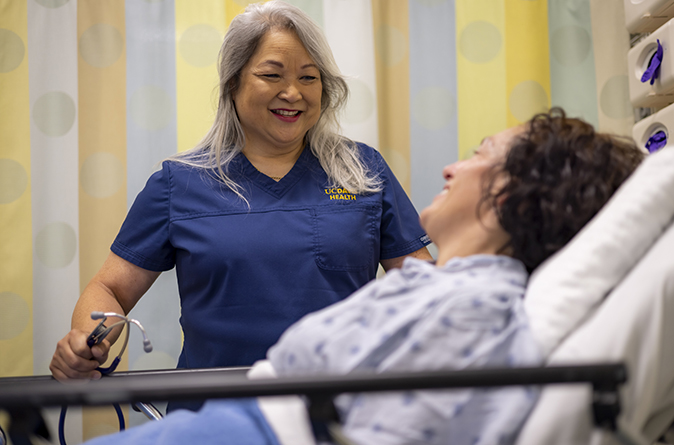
523	195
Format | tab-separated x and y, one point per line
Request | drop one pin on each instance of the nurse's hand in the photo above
74	360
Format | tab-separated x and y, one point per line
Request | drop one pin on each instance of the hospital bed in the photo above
607	297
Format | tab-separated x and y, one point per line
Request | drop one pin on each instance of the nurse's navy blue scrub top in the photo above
246	274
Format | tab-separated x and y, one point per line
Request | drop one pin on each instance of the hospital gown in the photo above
466	314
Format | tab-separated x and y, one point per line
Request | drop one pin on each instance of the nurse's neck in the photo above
272	161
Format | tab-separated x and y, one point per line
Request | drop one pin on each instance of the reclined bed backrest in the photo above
624	252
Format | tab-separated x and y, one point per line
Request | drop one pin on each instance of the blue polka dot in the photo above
429	433
319	348
376	427
496	331
504	298
432	304
475	440
477	302
471	273
291	359
327	320
391	311
384	338
467	352
408	398
446	321
459	410
416	346
354	350
458	282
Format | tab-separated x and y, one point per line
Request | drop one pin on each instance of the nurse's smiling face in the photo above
454	211
279	94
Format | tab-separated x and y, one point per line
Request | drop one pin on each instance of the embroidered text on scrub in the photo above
340	193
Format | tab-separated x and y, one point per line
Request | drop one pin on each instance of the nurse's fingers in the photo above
73	359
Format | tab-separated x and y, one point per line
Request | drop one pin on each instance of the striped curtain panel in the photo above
94	94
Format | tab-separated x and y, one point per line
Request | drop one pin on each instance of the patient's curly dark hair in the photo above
559	173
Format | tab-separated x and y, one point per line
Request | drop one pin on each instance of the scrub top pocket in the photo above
346	237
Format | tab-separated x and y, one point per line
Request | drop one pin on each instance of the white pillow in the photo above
566	288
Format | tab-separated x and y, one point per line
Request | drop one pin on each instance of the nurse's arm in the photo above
392	263
116	287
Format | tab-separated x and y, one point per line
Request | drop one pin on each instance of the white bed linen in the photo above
287	415
634	325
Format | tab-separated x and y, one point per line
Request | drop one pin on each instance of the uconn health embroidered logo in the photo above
340	193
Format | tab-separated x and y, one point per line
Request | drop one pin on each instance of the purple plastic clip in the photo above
656	141
653	70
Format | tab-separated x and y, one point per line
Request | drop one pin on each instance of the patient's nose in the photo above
448	171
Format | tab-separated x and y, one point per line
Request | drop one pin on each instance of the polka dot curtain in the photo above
93	94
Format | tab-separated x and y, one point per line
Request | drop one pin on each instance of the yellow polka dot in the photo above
101	45
615	98
151	108
399	164
199	45
527	99
14	315
361	102
52	3
12	50
13	180
54	113
432	3
480	42
434	107
570	45
102	175
56	245
390	45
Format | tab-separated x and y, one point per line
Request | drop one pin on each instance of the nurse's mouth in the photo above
287	115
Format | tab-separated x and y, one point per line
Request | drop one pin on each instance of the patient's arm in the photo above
392	263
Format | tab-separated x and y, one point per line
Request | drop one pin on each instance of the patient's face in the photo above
456	205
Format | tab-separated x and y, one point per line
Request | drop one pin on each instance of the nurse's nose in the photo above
290	93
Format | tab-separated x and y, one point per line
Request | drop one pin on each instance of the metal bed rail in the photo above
22	395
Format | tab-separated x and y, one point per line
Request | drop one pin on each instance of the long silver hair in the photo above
338	155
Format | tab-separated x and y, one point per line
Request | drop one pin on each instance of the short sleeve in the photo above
144	237
401	232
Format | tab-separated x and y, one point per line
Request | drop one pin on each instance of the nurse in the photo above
271	216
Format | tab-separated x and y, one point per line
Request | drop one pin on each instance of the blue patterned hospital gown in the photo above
466	314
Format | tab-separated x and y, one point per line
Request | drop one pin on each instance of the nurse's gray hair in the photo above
338	155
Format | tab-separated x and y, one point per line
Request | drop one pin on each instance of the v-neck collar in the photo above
269	185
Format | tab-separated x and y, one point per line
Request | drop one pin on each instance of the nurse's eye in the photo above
271	76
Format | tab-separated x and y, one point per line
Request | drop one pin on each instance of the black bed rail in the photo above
216	383
25	396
